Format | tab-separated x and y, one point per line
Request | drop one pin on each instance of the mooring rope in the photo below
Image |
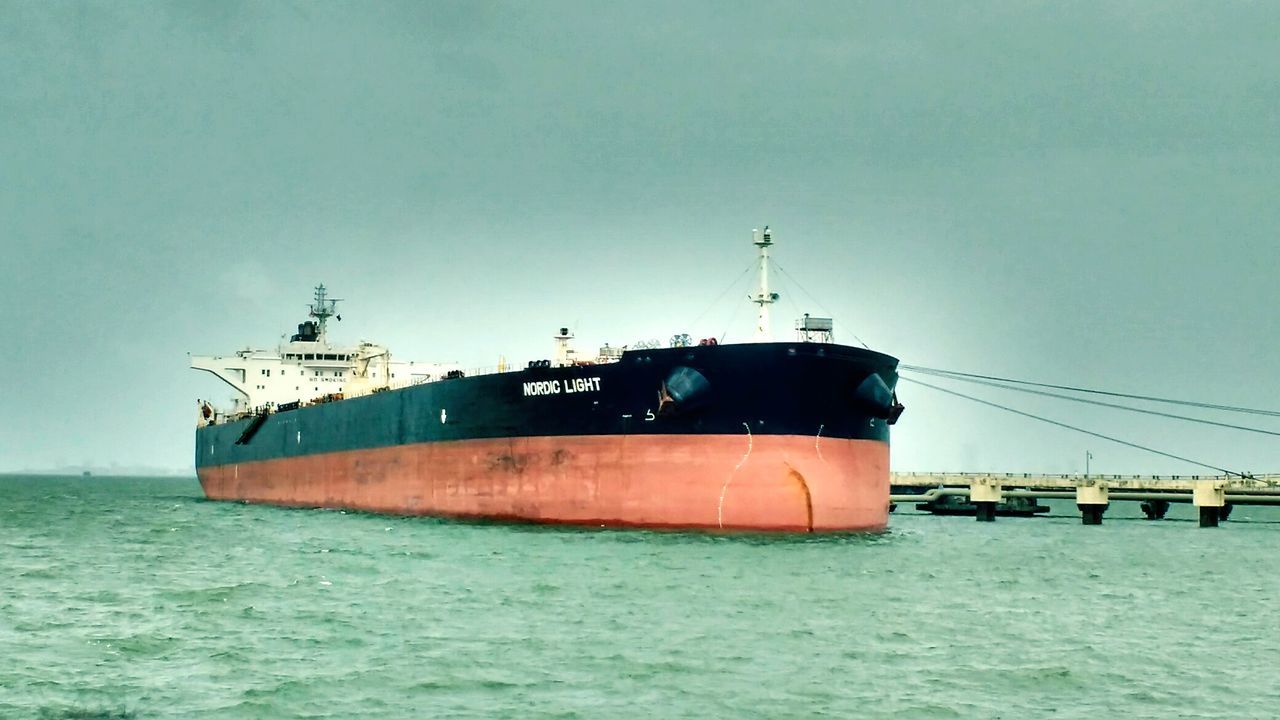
1077	429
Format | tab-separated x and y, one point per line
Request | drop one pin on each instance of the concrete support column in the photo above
985	497
1092	500
1210	500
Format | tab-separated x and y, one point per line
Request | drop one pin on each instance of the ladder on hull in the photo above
254	425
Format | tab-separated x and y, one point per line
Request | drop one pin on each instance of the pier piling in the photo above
1092	500
1208	517
1210	499
985	496
1213	496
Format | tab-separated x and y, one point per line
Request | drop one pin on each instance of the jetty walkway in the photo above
1214	495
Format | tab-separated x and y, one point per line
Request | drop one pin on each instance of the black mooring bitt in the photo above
1155	509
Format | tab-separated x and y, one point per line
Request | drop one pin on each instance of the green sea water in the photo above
136	598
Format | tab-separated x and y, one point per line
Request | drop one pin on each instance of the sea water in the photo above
136	598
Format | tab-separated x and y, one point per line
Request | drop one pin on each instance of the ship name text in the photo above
568	386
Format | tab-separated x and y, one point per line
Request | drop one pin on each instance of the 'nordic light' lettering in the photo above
568	386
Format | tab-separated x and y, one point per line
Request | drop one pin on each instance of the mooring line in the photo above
818	439
725	488
1126	443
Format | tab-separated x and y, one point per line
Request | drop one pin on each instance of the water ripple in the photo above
130	599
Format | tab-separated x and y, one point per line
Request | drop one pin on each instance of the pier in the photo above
1213	495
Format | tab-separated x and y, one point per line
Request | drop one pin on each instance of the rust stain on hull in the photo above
804	490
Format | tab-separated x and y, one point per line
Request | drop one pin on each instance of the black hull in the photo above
804	389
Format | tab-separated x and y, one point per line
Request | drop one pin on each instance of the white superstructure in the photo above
310	369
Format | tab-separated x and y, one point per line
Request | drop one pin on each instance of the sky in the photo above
1074	193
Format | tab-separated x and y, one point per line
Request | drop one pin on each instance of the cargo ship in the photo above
763	436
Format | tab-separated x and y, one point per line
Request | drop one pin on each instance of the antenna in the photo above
763	297
323	308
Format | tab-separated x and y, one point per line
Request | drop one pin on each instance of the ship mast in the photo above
322	309
763	297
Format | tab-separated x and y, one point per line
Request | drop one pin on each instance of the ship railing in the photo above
220	417
427	380
465	373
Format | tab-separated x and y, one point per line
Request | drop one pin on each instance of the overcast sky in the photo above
1083	193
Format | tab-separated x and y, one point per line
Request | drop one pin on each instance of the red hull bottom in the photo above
782	483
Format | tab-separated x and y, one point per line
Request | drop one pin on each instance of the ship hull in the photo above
774	437
771	482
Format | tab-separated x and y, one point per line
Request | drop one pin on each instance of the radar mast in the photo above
323	308
763	298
